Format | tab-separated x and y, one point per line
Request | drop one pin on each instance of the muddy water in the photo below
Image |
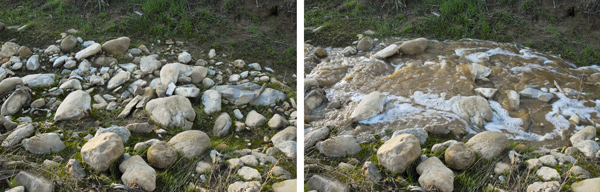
423	89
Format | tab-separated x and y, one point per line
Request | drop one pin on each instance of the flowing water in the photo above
423	89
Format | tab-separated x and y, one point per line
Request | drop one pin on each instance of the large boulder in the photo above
489	144
340	146
190	143
588	147
173	111
76	106
137	172
435	174
399	152
369	106
587	133
33	182
459	156
100	151
44	144
413	47
324	184
116	46
476	109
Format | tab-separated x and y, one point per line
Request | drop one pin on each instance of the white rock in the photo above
184	57
255	119
211	100
75	106
89	51
369	106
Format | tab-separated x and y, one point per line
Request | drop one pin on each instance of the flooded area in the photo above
532	95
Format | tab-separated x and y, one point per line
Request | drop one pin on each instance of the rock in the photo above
339	146
75	169
173	111
548	173
588	185
68	43
349	51
71	84
255	119
479	71
190	143
15	102
249	173
420	133
39	80
365	44
320	52
486	92
588	147
399	152
252	186
100	151
103	61
587	133
222	125
580	173
116	46
148	64
235	163
211	100
288	134
9	49
277	122
202	167
575	119
534	163
315	135
413	47
548	160
140	127
513	99
96	80
118	80
369	106
44	144
536	94
239	63
489	144
137	173
387	52
435	174
475	109
9	84
161	155
38	103
52	49
288	148
285	186
17	188
33	182
169	74
187	91
198	74
371	172
33	63
324	184
121	131
501	168
246	93
76	106
552	186
89	51
22	131
60	61
184	57
212	54
459	156
24	52
249	160
254	66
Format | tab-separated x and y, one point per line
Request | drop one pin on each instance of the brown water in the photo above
422	89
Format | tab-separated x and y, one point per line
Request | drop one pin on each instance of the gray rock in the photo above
161	155
73	84
486	92
148	64
277	122
207	82
434	173
44	144
534	163
349	51
587	133
249	160
202	167
365	44
211	100
369	106
513	99
588	185
399	152
536	94
96	80
489	144
413	47
169	74
246	93
38	103
184	57
285	186
548	173
142	146
116	46
190	143
140	127
17	188
288	148
371	172
9	49
459	156
588	147
22	131
580	173
212	54
76	106
238	114
501	168
222	125
476	109
173	111
288	134
251	186
52	49
324	184
315	135
387	52
39	80
9	84
190	91
340	146
68	43
33	63
118	80
420	133
137	172
235	163
100	151
15	102
121	131
33	182
255	119
89	51
198	74
249	173
75	169
551	186
548	160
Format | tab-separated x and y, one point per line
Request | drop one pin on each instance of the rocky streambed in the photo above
80	115
396	114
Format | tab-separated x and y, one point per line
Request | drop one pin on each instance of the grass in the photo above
502	21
